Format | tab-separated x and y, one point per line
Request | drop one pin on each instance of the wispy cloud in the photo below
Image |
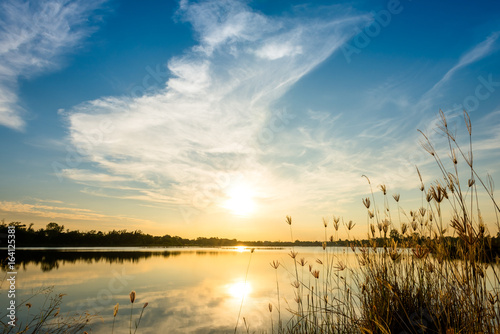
213	123
478	52
56	211
33	37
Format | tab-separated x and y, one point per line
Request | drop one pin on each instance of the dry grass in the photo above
45	317
426	273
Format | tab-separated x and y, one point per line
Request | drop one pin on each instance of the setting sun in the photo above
240	200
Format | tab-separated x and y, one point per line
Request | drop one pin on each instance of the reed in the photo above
43	315
431	272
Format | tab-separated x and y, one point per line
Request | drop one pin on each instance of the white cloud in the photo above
186	143
479	51
33	36
277	50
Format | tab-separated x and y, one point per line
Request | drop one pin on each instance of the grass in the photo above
47	318
411	277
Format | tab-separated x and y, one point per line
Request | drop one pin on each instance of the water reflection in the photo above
188	290
240	289
240	248
50	259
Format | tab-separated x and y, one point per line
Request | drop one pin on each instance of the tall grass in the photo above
427	273
45	317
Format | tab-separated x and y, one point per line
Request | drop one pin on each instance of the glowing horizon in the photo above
219	118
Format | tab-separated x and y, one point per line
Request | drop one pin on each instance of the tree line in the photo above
55	235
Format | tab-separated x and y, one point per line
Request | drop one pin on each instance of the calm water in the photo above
188	290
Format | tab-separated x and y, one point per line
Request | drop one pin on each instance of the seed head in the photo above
454	157
383	188
396	197
366	202
315	273
132	296
404	227
471	182
414	225
275	264
422	211
428	196
385	226
270	307
115	309
340	266
350	225
336	221
288	220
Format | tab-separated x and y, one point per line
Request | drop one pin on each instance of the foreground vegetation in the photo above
422	282
46	317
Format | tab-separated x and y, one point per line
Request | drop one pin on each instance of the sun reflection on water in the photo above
240	249
239	289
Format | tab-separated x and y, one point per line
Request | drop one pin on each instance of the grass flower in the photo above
115	312
315	273
132	300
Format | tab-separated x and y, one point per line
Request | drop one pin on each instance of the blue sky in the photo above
221	117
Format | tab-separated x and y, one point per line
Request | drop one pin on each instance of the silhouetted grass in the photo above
409	277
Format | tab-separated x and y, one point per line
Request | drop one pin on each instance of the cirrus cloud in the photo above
205	127
33	37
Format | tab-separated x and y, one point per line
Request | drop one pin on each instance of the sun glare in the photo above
239	289
240	200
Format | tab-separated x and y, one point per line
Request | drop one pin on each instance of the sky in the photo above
220	118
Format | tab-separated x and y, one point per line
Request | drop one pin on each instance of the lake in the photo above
188	290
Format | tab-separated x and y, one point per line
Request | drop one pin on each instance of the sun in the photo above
240	200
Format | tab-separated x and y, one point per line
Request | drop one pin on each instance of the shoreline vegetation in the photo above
54	236
408	276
